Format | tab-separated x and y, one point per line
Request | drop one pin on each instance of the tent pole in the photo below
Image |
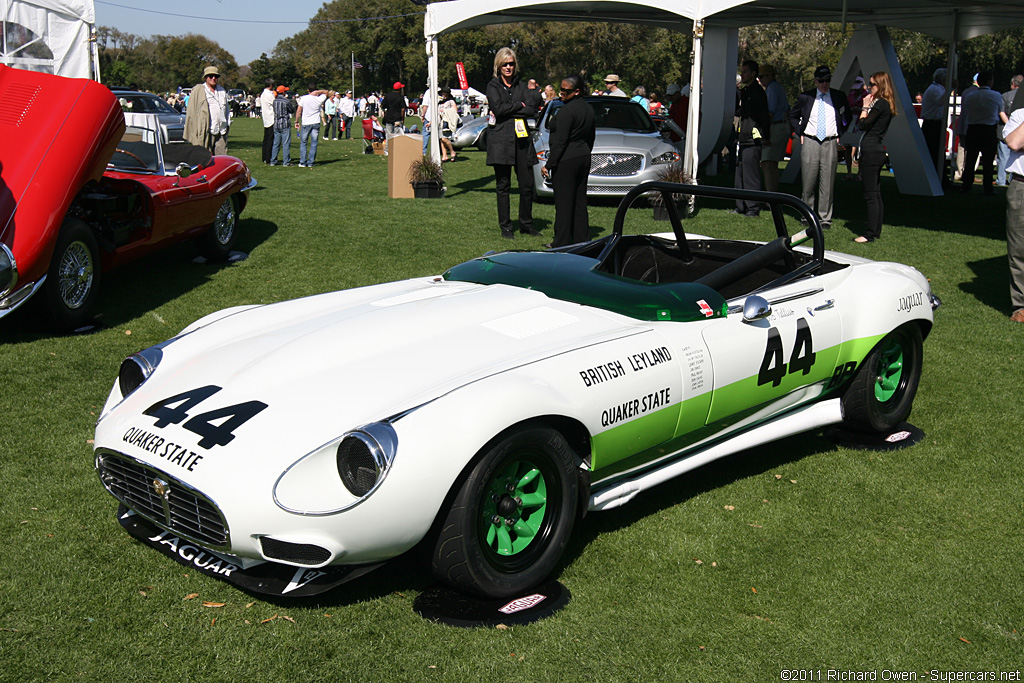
951	68
693	115
431	98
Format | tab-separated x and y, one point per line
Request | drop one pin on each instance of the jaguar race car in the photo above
81	193
480	413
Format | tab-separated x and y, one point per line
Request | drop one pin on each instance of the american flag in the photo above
356	65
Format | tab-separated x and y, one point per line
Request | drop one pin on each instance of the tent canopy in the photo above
53	36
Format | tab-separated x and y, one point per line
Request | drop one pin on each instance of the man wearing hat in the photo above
394	111
283	108
208	117
611	86
818	117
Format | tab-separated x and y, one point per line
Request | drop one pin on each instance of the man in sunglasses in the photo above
208	117
818	117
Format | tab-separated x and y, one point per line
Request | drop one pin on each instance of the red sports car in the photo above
80	193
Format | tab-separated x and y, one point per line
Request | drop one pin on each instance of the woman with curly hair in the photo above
879	109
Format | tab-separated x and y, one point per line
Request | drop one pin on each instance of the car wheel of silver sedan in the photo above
73	279
217	242
512	515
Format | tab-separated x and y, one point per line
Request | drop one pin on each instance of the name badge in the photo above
521	131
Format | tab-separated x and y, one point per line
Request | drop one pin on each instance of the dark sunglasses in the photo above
873	84
508	64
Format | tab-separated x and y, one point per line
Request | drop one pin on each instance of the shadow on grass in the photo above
990	283
139	287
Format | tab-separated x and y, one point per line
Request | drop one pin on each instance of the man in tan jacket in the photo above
208	117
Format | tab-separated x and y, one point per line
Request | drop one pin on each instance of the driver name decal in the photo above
635	407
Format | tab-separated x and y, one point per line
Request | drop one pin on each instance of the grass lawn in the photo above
794	555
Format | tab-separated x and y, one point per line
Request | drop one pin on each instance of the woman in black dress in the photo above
572	141
879	108
509	144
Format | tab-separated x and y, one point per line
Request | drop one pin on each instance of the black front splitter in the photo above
267	578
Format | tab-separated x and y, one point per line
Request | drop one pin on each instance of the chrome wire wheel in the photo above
225	222
75	274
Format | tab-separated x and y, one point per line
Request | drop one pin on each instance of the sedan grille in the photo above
163	500
603	164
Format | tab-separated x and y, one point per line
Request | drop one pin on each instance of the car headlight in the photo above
137	368
8	270
666	158
364	456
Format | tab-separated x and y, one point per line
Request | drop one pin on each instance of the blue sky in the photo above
245	28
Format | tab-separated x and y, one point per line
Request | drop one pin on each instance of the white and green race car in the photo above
293	446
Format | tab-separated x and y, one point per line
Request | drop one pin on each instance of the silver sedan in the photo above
628	147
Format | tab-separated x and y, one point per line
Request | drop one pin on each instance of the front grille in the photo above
296	553
609	189
163	500
616	164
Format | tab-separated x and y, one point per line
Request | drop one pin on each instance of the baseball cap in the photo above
823	73
281	89
398	85
672	89
858	81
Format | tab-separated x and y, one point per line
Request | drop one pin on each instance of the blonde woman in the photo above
878	112
509	144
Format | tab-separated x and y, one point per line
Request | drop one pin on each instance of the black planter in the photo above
427	190
661	212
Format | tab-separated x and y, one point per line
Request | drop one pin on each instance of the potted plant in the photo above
673	173
427	178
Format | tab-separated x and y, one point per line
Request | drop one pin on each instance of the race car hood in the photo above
329	363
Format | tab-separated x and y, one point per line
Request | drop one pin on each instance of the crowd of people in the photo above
830	124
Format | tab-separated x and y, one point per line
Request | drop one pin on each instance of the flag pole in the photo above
352	64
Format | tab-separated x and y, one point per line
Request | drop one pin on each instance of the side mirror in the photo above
756	308
183	170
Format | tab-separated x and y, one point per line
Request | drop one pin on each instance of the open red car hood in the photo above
58	133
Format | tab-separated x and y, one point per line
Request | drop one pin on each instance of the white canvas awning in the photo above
52	36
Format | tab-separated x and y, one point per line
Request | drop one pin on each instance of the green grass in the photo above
830	559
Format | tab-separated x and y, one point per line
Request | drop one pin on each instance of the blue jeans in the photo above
282	140
1003	152
308	132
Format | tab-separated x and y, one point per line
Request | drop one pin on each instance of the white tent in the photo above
52	36
714	24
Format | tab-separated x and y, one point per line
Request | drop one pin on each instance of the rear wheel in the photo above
481	142
217	242
512	516
73	279
882	392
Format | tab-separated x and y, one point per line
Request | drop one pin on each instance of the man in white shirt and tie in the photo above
818	117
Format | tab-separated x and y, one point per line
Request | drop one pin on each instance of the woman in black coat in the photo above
568	164
879	108
509	144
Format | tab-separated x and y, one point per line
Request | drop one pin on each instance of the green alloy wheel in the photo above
512	515
882	393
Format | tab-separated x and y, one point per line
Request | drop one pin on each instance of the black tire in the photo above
882	392
481	142
73	279
468	551
217	242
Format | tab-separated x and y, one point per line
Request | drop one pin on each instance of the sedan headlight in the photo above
8	270
666	158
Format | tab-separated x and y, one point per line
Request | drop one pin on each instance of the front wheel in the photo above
512	516
882	392
217	242
73	279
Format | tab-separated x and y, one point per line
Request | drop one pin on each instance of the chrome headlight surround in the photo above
137	368
340	474
364	457
665	158
8	271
